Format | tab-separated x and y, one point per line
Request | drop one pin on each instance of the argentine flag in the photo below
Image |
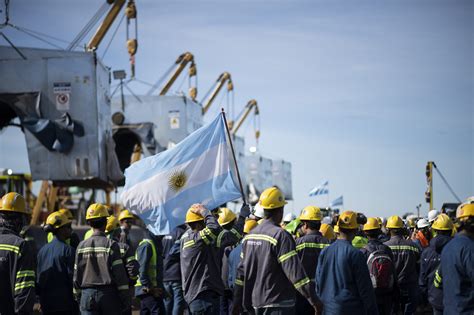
339	201
320	190
161	188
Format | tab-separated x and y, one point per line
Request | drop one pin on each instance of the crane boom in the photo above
221	80
248	108
182	61
105	25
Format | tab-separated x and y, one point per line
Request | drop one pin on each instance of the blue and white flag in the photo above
337	202
320	190
161	188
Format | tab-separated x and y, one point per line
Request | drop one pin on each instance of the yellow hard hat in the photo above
411	222
57	220
13	202
96	211
112	224
379	220
394	222
443	223
192	217
67	213
327	231
465	210
372	224
348	220
226	216
336	229
311	213
249	225
272	198
125	214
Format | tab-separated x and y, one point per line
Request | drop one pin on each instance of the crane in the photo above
252	104
180	63
221	80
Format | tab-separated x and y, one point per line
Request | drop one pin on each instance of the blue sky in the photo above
362	94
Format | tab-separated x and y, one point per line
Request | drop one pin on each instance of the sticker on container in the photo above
62	94
174	119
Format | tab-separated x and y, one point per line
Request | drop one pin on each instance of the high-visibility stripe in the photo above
311	245
122	251
10	248
204	237
25	273
116	262
76	291
403	247
208	232
188	244
236	233
129	259
151	271
242	255
219	238
122	287
286	256
261	237
239	282
93	250
437	281
24	284
301	283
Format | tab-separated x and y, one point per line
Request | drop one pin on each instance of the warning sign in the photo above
62	94
174	119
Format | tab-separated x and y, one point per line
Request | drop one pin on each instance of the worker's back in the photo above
405	257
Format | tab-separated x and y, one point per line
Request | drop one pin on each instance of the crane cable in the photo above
7	14
446	183
113	36
87	28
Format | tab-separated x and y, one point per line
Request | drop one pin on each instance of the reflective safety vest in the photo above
151	271
359	242
88	234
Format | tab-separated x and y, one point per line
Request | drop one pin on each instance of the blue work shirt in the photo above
54	276
343	281
457	269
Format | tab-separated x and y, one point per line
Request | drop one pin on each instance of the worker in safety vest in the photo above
149	287
112	230
406	256
457	265
228	238
201	261
269	257
100	278
431	260
127	220
56	268
73	240
17	259
308	247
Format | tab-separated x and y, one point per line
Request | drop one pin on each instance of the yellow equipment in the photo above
272	198
311	213
394	222
252	104
465	211
13	202
181	63
193	217
411	223
67	213
125	214
443	223
249	225
105	25
379	220
221	80
372	224
348	220
96	211
327	231
112	224
226	216
336	229
57	220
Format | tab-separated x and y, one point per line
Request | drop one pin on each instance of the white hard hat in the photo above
326	220
469	200
289	217
422	223
258	211
432	215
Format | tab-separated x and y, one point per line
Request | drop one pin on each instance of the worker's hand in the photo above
245	210
199	209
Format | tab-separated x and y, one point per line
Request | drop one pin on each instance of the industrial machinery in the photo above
215	89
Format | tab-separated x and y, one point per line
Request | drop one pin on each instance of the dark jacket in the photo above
429	263
171	266
200	260
17	273
457	270
54	272
406	256
343	281
308	248
270	270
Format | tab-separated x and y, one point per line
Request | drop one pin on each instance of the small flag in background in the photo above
161	188
337	202
320	190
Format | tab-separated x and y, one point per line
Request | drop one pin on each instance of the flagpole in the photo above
233	155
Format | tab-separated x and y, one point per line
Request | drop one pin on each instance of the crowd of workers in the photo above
255	262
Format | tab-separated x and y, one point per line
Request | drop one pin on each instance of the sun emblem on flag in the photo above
177	180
